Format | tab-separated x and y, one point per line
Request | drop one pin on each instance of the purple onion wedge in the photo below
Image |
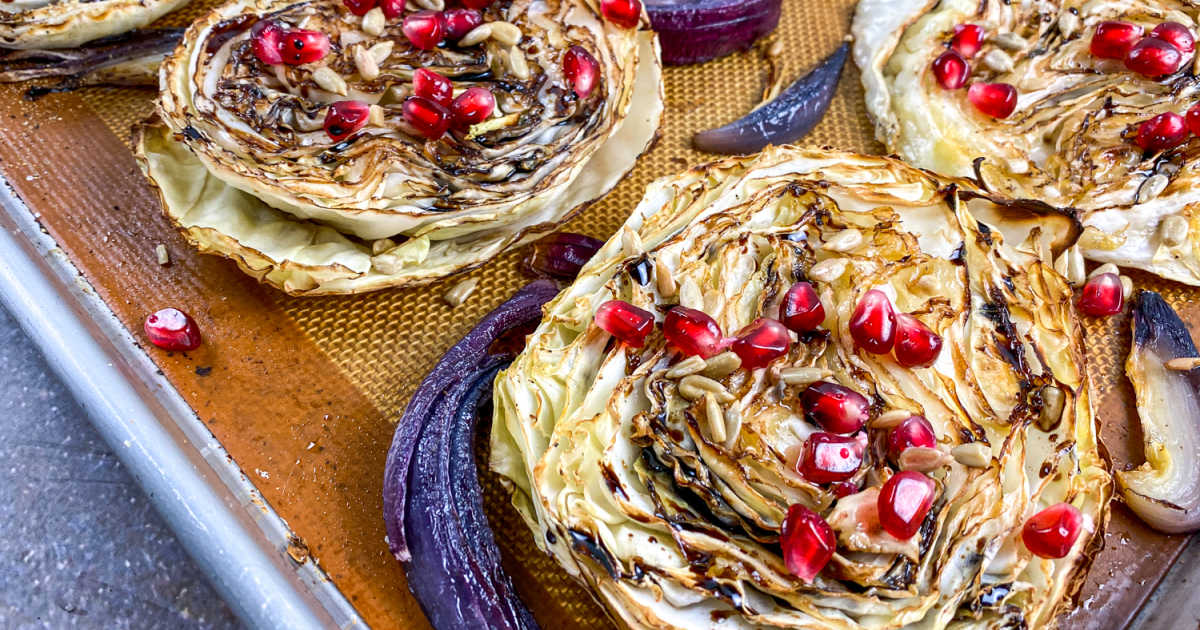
1165	491
560	255
433	504
692	31
785	119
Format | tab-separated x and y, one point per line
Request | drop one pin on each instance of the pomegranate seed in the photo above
459	22
392	9
1052	532
844	489
903	503
693	332
428	117
359	7
873	324
425	29
1176	35
628	323
827	458
172	329
916	344
1162	133
264	41
1102	296
950	70
1153	58
344	118
997	100
299	46
761	342
1114	40
433	86
623	13
581	69
476	4
802	310
1193	119
967	40
474	105
808	542
836	408
913	431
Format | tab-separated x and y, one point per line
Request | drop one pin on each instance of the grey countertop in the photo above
80	547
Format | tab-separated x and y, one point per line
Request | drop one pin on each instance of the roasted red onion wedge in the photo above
1164	491
785	119
692	31
433	505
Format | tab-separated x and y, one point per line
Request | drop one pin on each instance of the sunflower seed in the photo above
803	375
721	365
716	419
998	60
329	80
1152	187
1105	268
664	279
1069	264
972	454
1126	287
506	33
828	270
160	252
923	459
631	243
375	116
689	293
693	386
381	51
686	367
844	240
517	64
365	62
1052	408
460	292
477	35
373	22
1183	364
1173	230
1010	41
378	246
1068	23
889	419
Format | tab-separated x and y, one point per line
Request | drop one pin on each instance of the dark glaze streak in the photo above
226	30
959	255
723	591
192	134
330	155
640	271
584	543
614	484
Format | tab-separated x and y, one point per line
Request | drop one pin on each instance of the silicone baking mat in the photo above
303	392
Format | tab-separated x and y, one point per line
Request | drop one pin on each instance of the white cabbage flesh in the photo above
245	169
1069	142
620	480
69	23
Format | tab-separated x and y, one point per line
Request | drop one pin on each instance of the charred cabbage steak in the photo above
850	395
1076	103
332	147
68	23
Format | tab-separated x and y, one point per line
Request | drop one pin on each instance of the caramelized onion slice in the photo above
1165	490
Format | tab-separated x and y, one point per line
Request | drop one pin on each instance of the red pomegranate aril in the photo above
459	22
623	13
627	323
916	345
473	106
835	408
265	38
967	40
761	342
1102	296
693	332
425	29
873	324
807	541
392	9
997	100
581	69
428	117
828	458
343	118
299	46
1052	532
802	310
844	489
433	86
172	329
1162	133
1176	35
476	4
915	430
950	70
904	501
1114	40
1153	58
359	7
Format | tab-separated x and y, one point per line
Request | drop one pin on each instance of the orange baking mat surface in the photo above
335	372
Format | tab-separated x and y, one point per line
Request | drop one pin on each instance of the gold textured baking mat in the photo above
302	391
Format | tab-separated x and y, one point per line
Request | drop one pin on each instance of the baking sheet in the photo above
302	392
